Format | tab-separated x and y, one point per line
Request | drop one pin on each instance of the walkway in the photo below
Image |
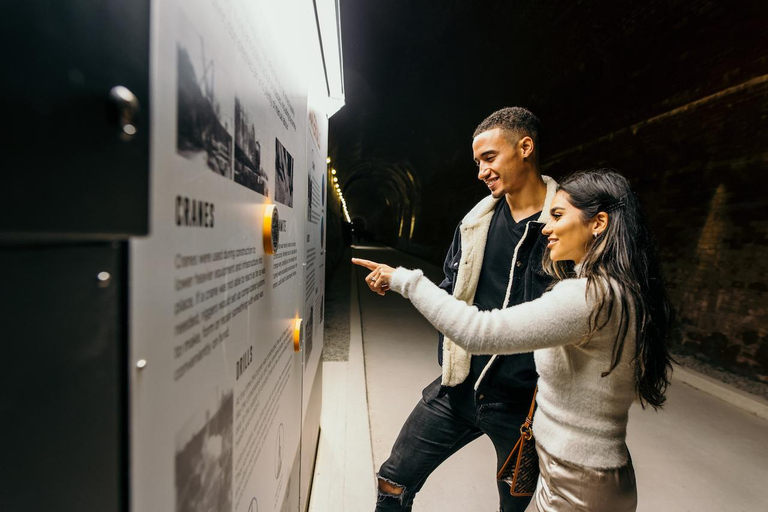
699	454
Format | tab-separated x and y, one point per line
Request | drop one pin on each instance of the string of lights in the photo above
338	191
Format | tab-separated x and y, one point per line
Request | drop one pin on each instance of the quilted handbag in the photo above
521	469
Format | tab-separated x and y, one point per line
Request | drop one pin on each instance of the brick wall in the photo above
702	173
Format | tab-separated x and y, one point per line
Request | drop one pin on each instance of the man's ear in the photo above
526	146
600	223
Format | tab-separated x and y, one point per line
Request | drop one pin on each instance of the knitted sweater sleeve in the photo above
559	317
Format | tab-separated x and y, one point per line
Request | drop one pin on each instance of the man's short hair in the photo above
516	121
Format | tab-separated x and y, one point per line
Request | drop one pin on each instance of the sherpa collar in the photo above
474	234
478	214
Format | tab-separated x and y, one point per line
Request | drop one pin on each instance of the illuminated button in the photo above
271	229
297	334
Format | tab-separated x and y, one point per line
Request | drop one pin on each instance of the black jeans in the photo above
436	429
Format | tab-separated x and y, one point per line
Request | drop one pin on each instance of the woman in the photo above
598	336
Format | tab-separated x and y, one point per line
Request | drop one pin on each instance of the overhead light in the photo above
328	160
341	199
333	171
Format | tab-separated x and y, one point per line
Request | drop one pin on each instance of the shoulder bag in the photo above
521	469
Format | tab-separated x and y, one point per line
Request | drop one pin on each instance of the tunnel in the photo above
671	95
223	222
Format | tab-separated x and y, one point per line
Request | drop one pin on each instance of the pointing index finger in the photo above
370	265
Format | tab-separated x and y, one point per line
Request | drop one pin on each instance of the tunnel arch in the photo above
395	187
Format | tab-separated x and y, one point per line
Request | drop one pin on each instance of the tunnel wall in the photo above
697	170
676	98
701	171
334	230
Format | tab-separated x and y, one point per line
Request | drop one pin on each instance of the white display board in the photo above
239	107
314	258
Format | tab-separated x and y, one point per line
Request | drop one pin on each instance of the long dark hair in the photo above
623	254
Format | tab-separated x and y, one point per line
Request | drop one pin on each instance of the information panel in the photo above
314	255
235	258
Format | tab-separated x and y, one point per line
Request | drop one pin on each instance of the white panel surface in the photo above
216	387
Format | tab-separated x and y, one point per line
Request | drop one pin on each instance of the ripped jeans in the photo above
436	429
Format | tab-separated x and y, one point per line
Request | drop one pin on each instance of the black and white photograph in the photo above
248	170
204	124
309	329
283	175
310	194
313	188
203	462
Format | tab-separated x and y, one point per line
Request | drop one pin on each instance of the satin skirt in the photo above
567	487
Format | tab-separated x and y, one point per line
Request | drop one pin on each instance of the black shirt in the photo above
503	236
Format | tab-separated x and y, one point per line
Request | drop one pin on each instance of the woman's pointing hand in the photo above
379	278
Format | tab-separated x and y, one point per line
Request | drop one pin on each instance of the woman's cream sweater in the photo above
581	416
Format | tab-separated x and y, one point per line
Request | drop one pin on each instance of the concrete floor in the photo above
698	454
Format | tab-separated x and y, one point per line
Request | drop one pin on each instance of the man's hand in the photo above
378	279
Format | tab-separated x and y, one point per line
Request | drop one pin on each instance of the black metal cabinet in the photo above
63	385
75	186
75	158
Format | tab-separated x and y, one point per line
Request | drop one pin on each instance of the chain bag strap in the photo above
521	469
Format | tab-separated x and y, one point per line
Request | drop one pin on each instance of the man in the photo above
494	262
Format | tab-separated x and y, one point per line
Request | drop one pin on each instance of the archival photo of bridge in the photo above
283	175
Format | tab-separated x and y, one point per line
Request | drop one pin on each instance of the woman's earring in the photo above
594	234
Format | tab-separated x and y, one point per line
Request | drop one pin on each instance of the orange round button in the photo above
297	334
271	229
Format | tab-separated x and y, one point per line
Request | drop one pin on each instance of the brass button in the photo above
481	397
519	263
